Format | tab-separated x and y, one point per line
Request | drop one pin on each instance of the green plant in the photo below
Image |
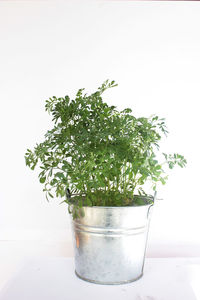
99	153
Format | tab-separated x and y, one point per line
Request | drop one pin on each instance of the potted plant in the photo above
100	160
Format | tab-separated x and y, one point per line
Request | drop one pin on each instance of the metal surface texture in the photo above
110	243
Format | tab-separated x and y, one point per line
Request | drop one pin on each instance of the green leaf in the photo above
42	179
59	175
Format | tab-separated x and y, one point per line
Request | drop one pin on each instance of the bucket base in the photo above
107	283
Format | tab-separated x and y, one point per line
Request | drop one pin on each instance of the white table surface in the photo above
54	279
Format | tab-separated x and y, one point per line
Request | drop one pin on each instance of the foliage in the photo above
99	153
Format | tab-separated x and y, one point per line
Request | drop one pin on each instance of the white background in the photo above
152	49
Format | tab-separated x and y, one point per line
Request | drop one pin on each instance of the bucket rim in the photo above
117	207
149	197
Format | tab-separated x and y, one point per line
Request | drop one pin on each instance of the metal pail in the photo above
110	243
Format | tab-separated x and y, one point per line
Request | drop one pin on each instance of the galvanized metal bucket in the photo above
110	243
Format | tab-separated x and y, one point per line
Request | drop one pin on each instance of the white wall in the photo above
152	49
